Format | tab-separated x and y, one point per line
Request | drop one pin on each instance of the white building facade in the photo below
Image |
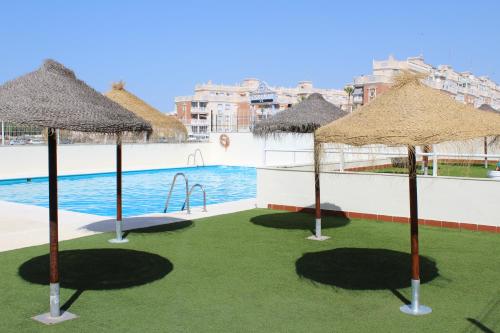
235	108
464	87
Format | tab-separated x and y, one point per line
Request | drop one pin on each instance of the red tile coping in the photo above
389	218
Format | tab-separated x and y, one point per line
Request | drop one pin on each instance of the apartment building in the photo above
465	87
233	108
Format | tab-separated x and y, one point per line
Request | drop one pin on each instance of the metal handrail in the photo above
171	189
194	157
201	155
202	188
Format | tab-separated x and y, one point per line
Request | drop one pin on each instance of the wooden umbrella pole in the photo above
53	225
412	173
317	192
119	221
414	308
485	152
118	178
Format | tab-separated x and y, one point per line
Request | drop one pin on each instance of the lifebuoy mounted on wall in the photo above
224	141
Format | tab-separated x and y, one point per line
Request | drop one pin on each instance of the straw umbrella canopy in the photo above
304	117
164	126
411	114
489	108
53	97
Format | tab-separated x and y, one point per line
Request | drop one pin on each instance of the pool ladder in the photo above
189	191
193	155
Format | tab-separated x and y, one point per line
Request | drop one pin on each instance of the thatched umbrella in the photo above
304	117
165	127
411	114
489	108
54	98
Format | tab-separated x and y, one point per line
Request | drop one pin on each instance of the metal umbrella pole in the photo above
119	221
415	308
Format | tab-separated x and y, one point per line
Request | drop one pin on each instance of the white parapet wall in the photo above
244	150
31	160
440	199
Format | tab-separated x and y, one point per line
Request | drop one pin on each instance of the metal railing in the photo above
171	189
189	191
12	134
342	152
202	188
193	155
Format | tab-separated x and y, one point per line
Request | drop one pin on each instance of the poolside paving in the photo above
24	225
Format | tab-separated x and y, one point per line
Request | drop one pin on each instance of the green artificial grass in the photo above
254	271
447	169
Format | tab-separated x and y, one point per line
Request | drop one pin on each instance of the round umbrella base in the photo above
316	238
419	311
118	241
47	319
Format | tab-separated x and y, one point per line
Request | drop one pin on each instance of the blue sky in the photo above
163	48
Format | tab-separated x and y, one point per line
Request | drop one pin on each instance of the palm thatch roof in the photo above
487	107
164	126
410	113
53	97
304	117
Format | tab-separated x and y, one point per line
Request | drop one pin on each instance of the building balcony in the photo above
200	122
199	110
371	79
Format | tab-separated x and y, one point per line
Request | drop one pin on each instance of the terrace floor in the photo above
254	271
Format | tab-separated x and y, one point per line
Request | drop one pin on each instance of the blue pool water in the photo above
143	191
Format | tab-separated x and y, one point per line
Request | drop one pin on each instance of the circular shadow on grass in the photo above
99	269
363	268
298	221
167	227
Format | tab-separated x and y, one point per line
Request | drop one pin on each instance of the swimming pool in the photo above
143	191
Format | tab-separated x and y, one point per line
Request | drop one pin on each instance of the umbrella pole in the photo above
119	223
415	308
486	152
55	315
317	195
55	310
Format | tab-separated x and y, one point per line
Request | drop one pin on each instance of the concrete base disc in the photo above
420	311
118	241
48	320
320	238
